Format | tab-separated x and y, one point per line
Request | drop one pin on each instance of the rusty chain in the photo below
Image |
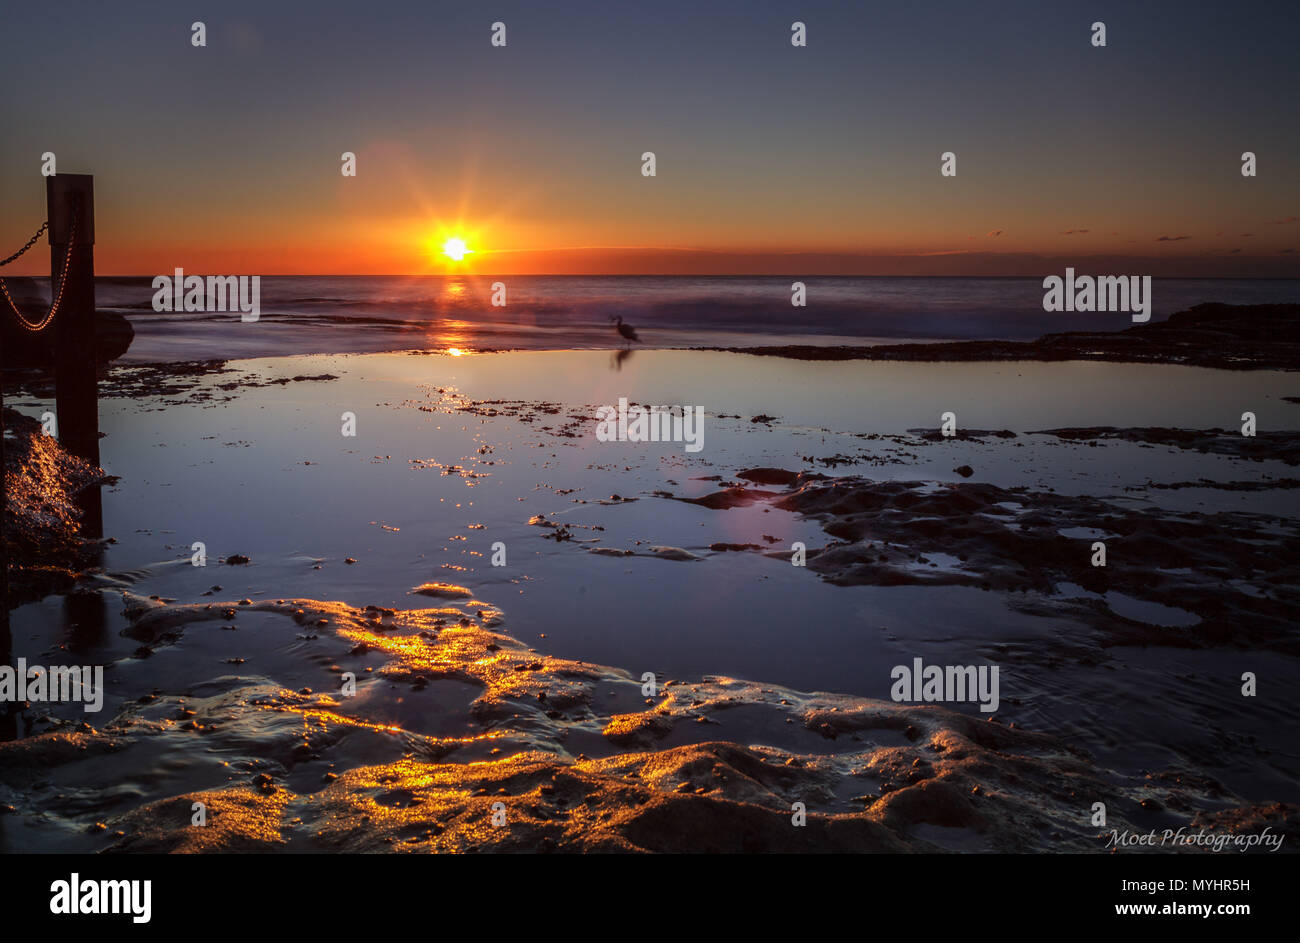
63	281
30	242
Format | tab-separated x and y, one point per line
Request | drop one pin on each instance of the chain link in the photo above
30	242
63	281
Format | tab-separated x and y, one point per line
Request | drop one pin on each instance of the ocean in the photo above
368	314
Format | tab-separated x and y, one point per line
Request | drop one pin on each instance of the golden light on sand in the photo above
455	249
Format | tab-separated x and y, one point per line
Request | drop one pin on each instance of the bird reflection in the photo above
616	362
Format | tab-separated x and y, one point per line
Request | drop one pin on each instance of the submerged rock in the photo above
443	590
716	765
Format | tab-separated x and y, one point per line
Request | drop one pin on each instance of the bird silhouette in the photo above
626	331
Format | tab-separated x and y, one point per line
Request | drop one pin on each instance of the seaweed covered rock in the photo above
42	521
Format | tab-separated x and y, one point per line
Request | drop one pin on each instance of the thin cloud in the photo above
1283	222
1071	232
598	249
1172	238
995	232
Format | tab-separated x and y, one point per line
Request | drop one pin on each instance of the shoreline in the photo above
1211	334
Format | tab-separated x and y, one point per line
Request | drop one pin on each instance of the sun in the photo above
455	249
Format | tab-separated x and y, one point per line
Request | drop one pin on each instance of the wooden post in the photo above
76	393
8	716
70	209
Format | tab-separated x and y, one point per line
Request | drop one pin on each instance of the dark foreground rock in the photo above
19	348
544	754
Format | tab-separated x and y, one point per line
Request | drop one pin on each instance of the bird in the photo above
626	331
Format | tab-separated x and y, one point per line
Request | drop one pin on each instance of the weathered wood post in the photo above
8	721
70	208
70	203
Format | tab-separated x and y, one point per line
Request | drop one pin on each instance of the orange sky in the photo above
770	159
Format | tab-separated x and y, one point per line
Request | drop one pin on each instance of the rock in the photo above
442	590
19	348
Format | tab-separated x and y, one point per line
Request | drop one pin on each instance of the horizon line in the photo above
782	275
